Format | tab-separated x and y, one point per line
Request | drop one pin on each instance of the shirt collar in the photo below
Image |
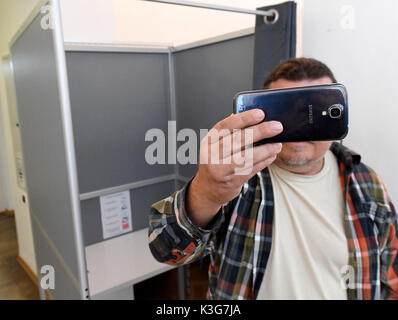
345	155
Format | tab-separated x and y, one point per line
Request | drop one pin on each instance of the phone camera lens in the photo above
336	111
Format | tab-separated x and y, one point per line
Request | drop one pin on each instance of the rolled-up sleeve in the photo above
173	238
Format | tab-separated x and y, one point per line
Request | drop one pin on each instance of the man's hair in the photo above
298	69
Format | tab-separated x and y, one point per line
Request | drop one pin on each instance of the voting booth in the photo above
84	111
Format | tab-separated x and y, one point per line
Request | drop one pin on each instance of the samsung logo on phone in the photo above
310	114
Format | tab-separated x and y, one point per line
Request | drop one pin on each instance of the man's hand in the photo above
220	176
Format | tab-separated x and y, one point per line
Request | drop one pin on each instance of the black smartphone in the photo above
312	113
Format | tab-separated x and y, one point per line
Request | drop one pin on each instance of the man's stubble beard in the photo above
297	162
293	162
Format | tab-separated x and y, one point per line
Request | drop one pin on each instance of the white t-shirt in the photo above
309	245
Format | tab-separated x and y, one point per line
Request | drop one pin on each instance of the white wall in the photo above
153	22
358	39
149	22
89	20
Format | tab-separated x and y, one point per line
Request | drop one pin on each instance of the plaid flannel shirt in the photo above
239	237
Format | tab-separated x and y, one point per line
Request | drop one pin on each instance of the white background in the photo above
363	53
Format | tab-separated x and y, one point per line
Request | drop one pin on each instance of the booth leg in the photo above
187	280
181	283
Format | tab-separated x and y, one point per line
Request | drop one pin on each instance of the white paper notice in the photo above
116	214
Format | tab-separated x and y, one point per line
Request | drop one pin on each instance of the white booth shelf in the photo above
119	263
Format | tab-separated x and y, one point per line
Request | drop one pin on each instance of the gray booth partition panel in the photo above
45	131
116	97
206	80
274	42
207	77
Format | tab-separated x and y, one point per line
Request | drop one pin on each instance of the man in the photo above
310	221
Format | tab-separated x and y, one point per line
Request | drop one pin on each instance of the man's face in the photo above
296	155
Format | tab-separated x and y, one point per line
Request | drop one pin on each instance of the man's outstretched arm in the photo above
182	225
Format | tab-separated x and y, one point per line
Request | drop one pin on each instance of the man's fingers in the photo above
250	157
240	139
240	120
247	174
247	159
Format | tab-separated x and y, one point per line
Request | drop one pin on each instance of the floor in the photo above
15	284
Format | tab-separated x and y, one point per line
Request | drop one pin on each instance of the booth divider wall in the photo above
206	80
116	97
208	75
42	98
